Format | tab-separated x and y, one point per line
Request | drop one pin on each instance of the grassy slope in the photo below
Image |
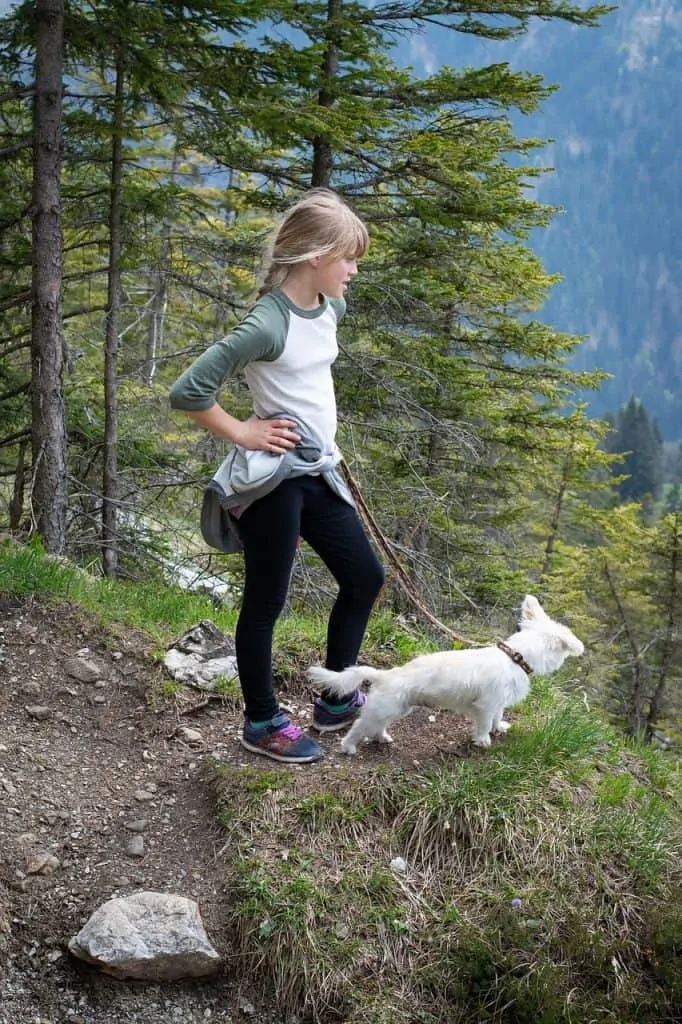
580	829
541	879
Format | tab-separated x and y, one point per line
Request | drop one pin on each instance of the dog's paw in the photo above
386	737
502	727
481	741
348	748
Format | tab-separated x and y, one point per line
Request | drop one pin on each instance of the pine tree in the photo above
457	397
623	593
637	437
118	86
48	434
452	392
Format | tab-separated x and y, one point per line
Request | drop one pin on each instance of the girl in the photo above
281	481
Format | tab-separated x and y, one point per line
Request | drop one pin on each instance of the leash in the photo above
402	577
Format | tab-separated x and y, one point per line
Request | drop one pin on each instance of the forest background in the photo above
612	127
147	151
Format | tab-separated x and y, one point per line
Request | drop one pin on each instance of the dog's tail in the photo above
341	683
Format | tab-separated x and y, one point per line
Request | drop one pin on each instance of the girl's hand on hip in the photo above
276	436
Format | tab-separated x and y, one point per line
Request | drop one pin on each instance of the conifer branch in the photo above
401	576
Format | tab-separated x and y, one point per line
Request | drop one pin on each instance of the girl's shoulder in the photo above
339	307
269	317
260	335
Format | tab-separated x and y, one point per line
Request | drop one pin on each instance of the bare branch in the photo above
5	442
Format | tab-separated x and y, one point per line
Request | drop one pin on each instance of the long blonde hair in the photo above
320	224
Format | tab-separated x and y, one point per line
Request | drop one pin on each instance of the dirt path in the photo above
109	796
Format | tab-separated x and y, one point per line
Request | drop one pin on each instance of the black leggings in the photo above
304	506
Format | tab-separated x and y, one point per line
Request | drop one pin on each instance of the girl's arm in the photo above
276	436
260	336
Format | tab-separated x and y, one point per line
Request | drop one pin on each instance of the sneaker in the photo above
281	741
325	719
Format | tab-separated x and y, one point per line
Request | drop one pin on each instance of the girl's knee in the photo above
367	585
378	579
263	610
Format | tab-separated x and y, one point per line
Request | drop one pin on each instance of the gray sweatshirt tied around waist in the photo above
247	475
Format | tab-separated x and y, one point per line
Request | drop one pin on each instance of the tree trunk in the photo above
16	505
670	636
159	302
48	427
635	706
558	510
554	524
323	157
110	470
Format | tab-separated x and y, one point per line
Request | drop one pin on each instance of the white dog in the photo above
479	683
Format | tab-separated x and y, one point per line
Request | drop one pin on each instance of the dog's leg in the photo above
355	735
372	724
499	725
482	723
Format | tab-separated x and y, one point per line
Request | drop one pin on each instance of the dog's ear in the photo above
571	644
531	609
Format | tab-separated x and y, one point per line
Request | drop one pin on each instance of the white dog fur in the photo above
479	683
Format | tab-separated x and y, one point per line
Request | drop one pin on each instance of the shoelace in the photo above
292	732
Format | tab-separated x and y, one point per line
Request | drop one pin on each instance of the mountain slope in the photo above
616	121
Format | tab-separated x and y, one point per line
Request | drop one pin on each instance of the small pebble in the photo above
135	846
38	711
138	825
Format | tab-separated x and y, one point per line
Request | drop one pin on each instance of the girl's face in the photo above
334	274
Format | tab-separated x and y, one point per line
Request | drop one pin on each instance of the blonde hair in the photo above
320	224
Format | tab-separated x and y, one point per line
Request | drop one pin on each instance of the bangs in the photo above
352	241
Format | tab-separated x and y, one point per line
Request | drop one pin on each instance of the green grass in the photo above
165	611
559	817
162	610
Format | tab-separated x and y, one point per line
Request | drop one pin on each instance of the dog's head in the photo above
557	637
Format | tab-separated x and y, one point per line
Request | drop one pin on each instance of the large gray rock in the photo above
149	935
202	656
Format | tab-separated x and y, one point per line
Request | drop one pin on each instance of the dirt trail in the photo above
101	765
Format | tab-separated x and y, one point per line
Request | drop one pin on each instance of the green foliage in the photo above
625	599
456	395
164	612
458	410
636	437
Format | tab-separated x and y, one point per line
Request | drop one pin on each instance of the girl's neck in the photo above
302	289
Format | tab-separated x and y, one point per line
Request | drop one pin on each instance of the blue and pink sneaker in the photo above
328	719
280	740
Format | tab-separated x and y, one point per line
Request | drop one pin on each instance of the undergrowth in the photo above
160	609
165	611
536	883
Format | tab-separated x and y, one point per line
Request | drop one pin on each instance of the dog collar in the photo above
515	656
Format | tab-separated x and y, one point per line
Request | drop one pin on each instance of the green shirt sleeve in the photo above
339	307
261	335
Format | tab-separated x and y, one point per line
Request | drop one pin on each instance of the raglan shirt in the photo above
286	354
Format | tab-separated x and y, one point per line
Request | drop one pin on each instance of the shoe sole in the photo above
333	728
286	759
